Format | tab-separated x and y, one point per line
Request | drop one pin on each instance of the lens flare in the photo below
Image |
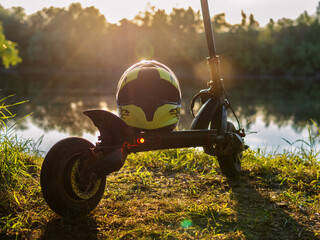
144	50
186	223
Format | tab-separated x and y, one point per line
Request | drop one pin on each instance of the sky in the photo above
115	10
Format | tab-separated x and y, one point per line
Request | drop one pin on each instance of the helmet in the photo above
149	96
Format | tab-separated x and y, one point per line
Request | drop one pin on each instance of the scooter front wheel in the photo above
230	165
59	179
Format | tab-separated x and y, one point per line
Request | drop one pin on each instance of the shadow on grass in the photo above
259	217
254	215
66	228
3	236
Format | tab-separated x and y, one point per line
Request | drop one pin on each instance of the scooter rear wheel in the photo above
60	183
230	165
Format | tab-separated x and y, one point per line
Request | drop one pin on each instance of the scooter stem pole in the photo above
208	28
213	59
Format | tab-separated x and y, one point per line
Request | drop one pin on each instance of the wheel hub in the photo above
83	190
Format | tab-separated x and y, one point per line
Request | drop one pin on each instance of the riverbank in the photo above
174	194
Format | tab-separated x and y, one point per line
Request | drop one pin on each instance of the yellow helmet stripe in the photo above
165	75
130	76
164	116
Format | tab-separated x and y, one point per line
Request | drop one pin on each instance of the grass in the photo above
19	175
170	194
276	197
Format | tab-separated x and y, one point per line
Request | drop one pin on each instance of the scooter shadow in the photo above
259	217
67	228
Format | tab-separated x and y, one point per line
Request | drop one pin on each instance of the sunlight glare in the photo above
144	50
129	9
114	11
104	106
118	10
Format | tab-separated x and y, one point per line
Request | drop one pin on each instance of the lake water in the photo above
272	112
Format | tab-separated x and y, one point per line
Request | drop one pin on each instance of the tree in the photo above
8	52
219	23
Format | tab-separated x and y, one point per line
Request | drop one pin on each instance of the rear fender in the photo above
113	130
206	114
219	120
212	113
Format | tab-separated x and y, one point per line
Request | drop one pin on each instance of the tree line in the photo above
81	39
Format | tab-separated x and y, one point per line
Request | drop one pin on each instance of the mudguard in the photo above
214	112
206	114
113	130
220	118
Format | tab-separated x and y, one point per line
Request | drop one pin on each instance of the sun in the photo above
117	10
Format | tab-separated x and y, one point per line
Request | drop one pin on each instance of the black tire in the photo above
59	183
230	165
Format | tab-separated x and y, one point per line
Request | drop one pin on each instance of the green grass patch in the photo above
276	197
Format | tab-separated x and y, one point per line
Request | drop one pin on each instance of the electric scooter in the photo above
73	174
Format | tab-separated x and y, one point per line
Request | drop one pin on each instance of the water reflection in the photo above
285	103
57	102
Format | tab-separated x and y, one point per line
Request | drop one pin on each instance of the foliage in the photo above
18	169
80	38
8	52
14	153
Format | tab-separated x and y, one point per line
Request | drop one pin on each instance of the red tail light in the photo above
141	140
